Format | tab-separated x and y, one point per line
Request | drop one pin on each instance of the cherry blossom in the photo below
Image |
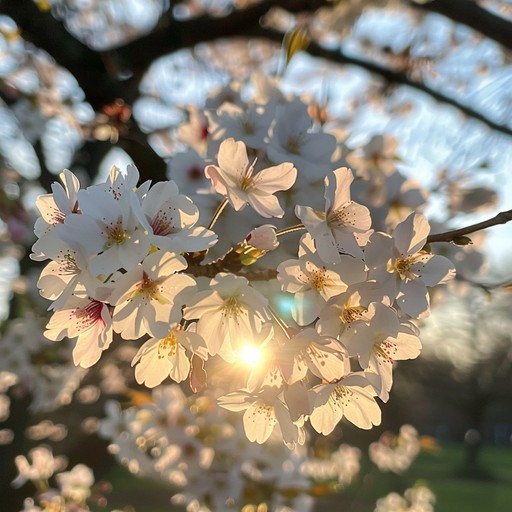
150	296
227	314
292	140
108	231
158	359
263	411
54	208
313	282
170	219
344	225
403	268
234	178
88	321
324	357
351	397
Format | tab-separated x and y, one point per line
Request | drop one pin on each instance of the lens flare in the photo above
250	355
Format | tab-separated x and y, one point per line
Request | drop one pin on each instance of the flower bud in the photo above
263	238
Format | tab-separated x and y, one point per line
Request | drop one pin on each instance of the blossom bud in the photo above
263	238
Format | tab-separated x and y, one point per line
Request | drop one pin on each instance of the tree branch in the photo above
450	236
469	13
391	76
101	86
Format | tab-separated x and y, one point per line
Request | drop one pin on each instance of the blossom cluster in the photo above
202	451
73	489
134	260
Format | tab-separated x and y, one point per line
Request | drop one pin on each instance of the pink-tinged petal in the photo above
202	303
307	306
411	234
272	179
218	183
352	217
337	189
361	409
129	320
266	205
310	218
378	251
237	198
180	368
413	298
236	401
151	369
325	416
163	263
346	243
289	430
232	158
259	421
298	401
89	346
407	345
437	270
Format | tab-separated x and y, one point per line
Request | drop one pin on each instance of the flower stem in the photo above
290	229
217	213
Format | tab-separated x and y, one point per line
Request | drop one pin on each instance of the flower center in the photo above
317	279
231	307
351	314
161	225
402	266
116	235
88	316
167	347
341	218
67	265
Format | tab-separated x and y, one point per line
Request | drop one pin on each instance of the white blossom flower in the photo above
170	219
158	359
227	314
43	466
403	269
344	226
313	282
65	274
88	321
351	397
234	178
263	411
263	238
324	357
54	209
249	123
108	231
149	297
76	484
291	140
395	452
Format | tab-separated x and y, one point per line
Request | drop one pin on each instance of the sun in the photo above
250	354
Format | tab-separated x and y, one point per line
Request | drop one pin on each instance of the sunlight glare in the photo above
250	355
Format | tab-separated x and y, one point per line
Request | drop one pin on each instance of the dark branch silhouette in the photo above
451	236
469	13
98	73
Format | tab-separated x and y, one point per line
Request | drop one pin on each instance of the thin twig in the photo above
217	213
450	236
290	229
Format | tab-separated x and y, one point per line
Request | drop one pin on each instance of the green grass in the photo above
489	489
